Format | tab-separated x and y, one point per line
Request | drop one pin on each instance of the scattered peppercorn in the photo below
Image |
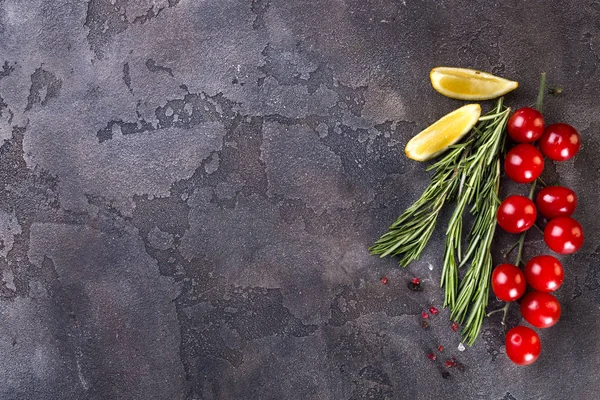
384	280
424	314
433	310
455	326
432	356
452	362
424	324
446	375
415	285
440	348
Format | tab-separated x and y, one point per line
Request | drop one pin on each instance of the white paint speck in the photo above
84	383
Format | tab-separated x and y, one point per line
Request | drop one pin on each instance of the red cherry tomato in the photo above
563	235
544	273
556	201
560	142
526	125
523	345
541	310
516	214
524	163
508	282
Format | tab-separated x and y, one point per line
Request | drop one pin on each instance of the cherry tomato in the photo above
544	273
524	163
508	282
563	235
523	345
556	201
526	125
560	142
516	214
541	310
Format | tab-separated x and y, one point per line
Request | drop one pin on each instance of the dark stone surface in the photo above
189	189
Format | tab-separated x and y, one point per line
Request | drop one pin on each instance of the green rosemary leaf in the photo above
410	233
479	179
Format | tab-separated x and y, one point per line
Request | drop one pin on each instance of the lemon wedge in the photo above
443	133
469	84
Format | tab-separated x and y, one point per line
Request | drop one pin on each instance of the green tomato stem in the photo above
524	234
540	98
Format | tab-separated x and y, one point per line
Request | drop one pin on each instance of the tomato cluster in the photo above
516	214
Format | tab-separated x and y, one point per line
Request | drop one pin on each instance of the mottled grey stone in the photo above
160	240
113	292
189	190
9	228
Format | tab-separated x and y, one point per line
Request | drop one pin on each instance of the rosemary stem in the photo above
469	175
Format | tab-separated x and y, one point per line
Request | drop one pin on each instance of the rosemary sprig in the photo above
482	181
410	233
470	306
470	174
475	171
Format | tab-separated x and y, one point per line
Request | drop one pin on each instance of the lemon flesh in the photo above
469	84
443	133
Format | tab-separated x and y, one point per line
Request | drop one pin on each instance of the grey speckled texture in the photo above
189	189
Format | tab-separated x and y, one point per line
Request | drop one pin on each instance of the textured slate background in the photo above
189	189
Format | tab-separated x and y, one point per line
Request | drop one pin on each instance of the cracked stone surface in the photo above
189	188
